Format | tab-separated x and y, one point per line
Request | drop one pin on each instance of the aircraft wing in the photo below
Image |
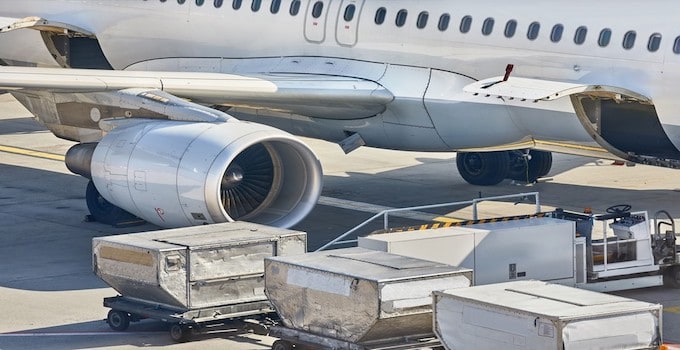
526	89
304	94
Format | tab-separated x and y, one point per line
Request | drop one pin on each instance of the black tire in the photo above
102	210
483	168
180	333
529	170
118	320
671	277
282	345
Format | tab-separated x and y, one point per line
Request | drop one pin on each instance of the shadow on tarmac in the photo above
46	244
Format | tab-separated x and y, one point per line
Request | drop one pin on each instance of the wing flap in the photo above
305	94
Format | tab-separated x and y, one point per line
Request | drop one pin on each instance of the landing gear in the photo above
490	168
103	211
483	168
528	167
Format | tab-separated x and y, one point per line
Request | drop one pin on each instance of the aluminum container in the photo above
358	295
540	315
193	267
504	251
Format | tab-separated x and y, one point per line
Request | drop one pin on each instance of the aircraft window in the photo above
199	2
510	28
236	4
676	45
218	3
164	0
654	42
349	12
317	10
532	32
380	15
629	40
275	6
255	6
422	19
444	22
294	7
181	1
556	33
487	27
605	37
465	24
401	18
580	35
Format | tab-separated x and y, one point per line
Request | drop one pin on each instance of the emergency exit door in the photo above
316	18
347	26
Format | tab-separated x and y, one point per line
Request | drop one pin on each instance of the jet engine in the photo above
176	174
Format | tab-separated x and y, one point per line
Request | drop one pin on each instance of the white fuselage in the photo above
425	68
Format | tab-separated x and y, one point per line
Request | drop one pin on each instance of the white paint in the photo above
322	282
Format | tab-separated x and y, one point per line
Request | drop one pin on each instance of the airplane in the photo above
188	112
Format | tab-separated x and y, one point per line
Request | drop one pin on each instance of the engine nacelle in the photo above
176	174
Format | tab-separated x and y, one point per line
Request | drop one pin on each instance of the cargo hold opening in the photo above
69	46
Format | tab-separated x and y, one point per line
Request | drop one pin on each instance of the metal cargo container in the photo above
358	295
527	249
193	267
539	315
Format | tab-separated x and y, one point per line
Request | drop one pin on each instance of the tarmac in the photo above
50	299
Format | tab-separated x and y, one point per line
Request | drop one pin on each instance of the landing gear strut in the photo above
490	168
103	211
529	166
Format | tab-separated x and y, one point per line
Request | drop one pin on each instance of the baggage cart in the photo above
191	277
356	298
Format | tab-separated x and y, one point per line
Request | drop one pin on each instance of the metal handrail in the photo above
385	214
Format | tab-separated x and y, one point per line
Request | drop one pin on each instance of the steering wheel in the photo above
619	208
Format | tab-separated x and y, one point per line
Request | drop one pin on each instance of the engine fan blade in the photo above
247	181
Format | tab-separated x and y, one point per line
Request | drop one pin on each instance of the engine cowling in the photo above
176	174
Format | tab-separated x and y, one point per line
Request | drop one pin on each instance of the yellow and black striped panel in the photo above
437	225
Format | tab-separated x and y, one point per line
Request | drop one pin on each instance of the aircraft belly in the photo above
466	121
548	124
408	85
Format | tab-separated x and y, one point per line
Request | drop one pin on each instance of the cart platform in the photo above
255	316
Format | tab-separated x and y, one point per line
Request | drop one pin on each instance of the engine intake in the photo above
176	174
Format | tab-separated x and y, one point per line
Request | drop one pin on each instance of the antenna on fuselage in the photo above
508	70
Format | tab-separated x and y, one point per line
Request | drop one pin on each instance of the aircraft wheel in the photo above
530	168
483	168
102	210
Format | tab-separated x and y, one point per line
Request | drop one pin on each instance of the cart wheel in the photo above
671	277
282	345
118	320
180	333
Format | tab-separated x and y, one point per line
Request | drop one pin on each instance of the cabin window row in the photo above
556	33
255	5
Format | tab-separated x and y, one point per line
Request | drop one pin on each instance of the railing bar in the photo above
385	214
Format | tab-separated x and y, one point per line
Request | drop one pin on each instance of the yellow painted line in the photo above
672	309
31	153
